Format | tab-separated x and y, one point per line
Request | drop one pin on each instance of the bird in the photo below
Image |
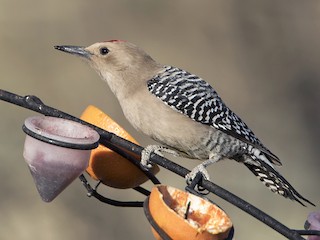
182	112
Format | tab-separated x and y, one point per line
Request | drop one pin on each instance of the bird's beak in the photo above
75	50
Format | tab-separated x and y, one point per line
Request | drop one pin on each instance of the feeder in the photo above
57	151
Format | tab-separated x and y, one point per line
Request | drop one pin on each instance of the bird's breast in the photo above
150	115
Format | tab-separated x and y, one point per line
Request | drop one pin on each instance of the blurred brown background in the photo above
261	56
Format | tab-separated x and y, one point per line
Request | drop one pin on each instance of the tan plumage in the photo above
181	111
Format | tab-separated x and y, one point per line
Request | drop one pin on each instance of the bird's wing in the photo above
195	98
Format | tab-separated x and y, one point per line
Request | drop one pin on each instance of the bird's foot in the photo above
198	169
194	179
159	150
201	170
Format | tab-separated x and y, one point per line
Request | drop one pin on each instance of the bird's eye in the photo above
104	51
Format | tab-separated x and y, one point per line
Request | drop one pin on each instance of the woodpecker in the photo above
181	111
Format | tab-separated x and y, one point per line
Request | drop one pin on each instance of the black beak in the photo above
75	50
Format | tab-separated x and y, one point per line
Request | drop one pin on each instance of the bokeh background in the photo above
261	56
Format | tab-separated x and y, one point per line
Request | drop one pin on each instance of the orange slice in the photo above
203	221
107	166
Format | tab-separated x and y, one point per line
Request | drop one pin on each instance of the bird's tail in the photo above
274	181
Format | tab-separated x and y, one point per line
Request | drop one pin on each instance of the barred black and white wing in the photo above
195	98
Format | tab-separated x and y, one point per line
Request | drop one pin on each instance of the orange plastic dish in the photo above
203	221
107	166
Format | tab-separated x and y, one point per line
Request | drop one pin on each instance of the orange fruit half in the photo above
202	220
107	166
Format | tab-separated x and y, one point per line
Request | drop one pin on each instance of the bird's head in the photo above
116	61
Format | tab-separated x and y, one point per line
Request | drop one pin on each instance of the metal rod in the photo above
116	142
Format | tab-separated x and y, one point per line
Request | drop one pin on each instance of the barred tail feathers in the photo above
272	179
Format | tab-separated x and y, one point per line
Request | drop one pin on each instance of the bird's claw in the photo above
198	169
148	150
145	162
194	178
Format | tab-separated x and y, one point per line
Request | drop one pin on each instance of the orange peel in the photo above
108	166
203	221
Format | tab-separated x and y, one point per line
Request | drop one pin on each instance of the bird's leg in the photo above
148	150
201	168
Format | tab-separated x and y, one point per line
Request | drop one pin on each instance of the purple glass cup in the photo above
57	151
